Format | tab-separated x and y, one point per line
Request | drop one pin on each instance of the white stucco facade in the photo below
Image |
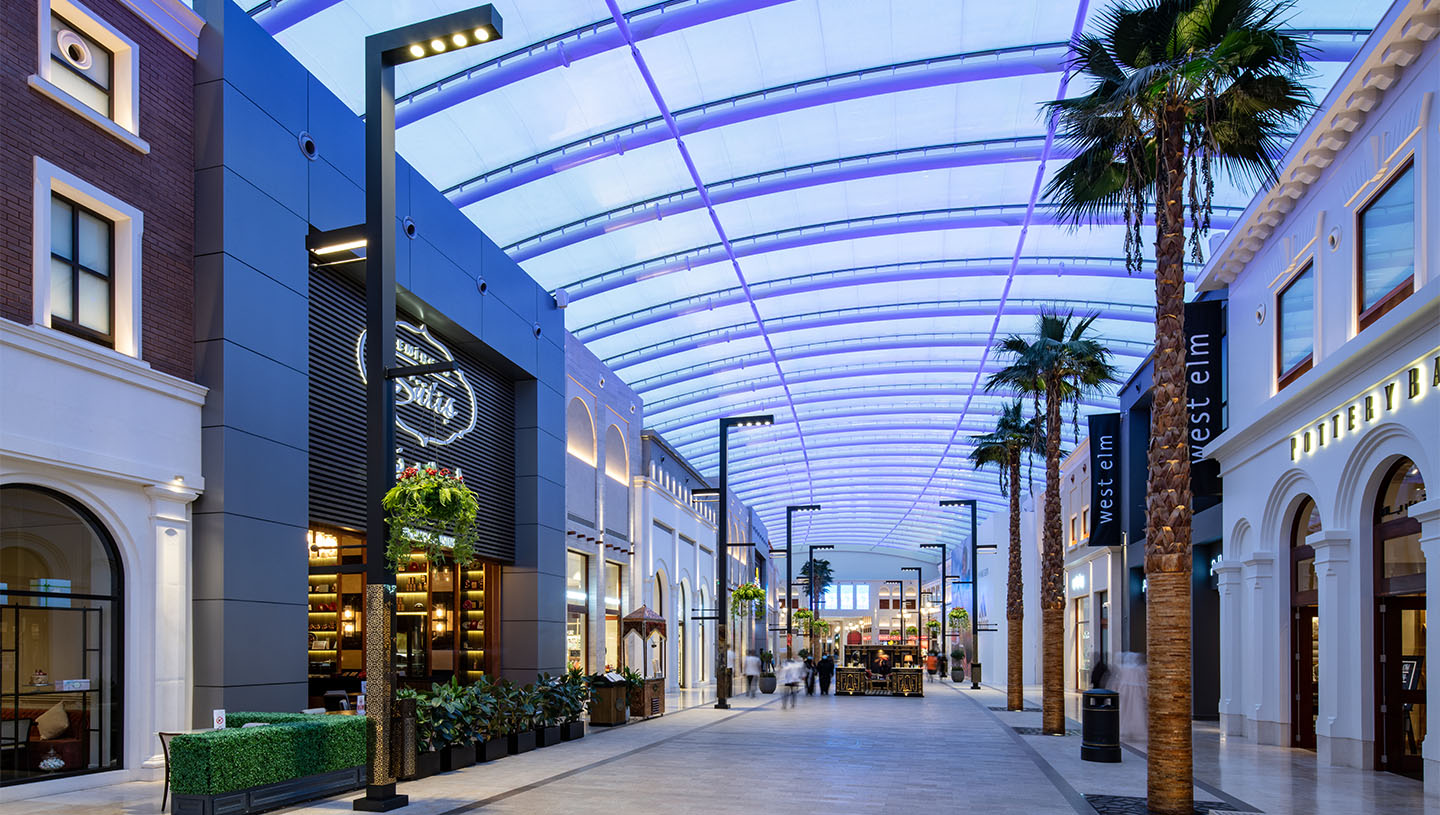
134	464
1369	399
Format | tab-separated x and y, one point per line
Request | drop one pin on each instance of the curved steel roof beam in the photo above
922	368
840	395
562	51
942	309
828	348
861	490
771	182
956	269
999	63
869	435
897	223
277	15
868	412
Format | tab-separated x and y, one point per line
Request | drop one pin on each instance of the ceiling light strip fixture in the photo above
1081	12
660	103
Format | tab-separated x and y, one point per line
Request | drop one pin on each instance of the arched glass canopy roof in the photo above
822	209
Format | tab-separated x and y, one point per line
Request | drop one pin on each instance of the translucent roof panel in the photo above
872	170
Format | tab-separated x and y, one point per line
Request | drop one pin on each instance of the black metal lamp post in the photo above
383	51
722	557
789	559
918	582
974	580
944	587
814	595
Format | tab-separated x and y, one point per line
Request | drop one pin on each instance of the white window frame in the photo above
129	226
124	90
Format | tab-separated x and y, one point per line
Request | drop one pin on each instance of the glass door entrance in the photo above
1305	679
1401	688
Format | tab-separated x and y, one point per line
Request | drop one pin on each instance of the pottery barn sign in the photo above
1204	325
1384	400
433	409
1104	479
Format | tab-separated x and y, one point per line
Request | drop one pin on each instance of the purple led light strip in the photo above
1080	14
700	187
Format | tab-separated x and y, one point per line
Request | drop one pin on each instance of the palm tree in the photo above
1013	435
1177	85
1063	364
823	578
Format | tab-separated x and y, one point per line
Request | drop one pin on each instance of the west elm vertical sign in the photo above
1104	479
1203	372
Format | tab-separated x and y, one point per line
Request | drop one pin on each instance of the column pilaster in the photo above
1428	514
170	687
1228	575
1340	737
1261	698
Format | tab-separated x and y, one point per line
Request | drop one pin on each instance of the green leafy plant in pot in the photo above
486	725
519	709
551	710
431	509
767	672
574	691
452	724
747	601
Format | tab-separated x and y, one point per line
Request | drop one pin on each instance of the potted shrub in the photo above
634	691
548	710
490	742
574	690
767	672
518	712
453	725
427	755
957	664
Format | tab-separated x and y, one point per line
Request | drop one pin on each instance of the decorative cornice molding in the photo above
1373	71
176	21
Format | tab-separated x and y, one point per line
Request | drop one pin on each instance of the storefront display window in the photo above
60	615
577	615
1084	643
612	614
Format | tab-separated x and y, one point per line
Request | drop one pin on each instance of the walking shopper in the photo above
1131	685
1100	673
827	672
809	676
790	675
752	673
932	664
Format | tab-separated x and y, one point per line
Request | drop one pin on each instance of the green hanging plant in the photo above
911	630
802	619
431	509
932	625
960	617
747	600
819	627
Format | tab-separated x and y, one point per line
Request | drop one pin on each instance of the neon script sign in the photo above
434	409
1377	403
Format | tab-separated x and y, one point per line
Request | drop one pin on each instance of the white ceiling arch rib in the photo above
881	184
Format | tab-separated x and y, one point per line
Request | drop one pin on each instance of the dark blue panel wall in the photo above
257	196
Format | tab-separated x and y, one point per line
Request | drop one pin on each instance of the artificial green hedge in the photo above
293	745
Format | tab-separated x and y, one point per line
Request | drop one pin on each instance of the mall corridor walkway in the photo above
949	752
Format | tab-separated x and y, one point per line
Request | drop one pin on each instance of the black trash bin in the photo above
1100	726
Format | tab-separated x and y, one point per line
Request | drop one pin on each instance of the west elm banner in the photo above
1203	372
1104	479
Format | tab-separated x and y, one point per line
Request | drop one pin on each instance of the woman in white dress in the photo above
1131	685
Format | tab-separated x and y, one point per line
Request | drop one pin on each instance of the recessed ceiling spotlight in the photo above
437	45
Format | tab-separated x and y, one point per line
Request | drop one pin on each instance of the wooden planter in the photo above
457	757
269	796
571	731
546	736
609	707
648	699
491	749
521	742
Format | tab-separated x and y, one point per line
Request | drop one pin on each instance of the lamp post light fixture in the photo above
974	581
918	582
789	576
722	556
383	51
814	595
944	588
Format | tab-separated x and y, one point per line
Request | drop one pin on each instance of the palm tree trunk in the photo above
1167	500
1015	599
1052	592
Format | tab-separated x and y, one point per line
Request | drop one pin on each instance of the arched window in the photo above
1400	628
60	613
617	456
1304	626
1302	557
579	432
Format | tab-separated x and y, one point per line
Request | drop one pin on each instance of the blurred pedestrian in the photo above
1133	690
752	673
827	672
790	674
809	676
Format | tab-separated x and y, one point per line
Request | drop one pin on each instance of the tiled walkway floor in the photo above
946	753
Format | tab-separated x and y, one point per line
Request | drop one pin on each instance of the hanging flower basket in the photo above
802	619
960	617
747	600
932	625
430	508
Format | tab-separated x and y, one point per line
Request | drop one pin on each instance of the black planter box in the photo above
457	757
521	742
491	749
427	764
547	736
957	674
270	796
571	731
767	681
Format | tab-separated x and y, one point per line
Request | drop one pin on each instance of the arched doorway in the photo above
1399	622
60	637
1304	627
656	652
681	631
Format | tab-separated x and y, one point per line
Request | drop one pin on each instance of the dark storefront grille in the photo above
485	454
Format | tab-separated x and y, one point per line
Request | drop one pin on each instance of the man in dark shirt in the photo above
827	672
